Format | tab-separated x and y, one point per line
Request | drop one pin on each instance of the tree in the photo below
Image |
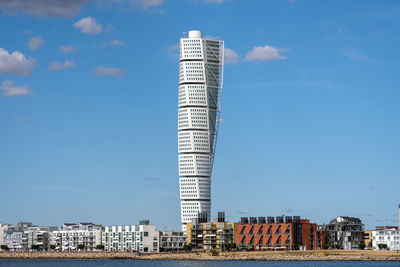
326	246
214	252
4	247
337	246
35	247
81	246
187	247
100	247
361	246
382	246
52	246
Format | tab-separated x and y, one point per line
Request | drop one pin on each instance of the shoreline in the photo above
321	255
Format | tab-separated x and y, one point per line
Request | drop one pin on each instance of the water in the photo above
148	263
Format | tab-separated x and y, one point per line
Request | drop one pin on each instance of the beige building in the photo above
209	235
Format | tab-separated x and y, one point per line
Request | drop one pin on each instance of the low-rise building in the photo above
344	232
386	238
71	235
280	233
368	239
171	241
207	235
139	238
3	227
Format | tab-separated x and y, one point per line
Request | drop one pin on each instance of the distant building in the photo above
71	235
209	235
199	101
171	241
280	233
368	239
139	238
24	235
3	227
347	232
39	236
388	236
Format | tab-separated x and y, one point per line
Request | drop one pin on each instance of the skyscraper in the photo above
200	86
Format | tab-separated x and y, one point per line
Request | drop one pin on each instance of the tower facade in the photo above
200	87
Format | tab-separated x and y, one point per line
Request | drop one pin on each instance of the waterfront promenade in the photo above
321	255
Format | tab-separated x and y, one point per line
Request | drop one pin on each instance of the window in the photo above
146	233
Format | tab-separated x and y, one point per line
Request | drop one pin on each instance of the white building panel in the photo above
194	165
195	188
194	142
190	209
192	72
191	49
193	118
193	95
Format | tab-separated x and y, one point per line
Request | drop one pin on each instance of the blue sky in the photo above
88	109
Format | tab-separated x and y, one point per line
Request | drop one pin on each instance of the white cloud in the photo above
58	65
10	90
89	26
113	43
109	71
231	57
265	53
15	63
43	8
35	42
244	211
67	48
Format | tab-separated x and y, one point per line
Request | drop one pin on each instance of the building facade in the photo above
171	241
280	233
3	227
136	238
205	236
347	232
200	87
71	235
368	239
388	236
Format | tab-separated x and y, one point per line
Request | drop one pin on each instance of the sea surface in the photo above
125	263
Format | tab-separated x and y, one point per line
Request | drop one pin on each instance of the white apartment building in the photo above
389	236
3	227
138	238
200	88
72	234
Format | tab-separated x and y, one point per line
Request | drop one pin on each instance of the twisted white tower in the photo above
200	88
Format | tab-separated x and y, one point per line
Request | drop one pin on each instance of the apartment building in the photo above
280	233
346	232
139	238
71	235
388	236
171	241
207	235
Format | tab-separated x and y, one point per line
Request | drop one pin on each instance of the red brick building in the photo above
292	233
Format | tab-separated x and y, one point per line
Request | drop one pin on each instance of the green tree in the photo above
81	246
4	247
52	247
35	247
337	246
361	246
187	247
326	246
214	252
382	246
100	247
